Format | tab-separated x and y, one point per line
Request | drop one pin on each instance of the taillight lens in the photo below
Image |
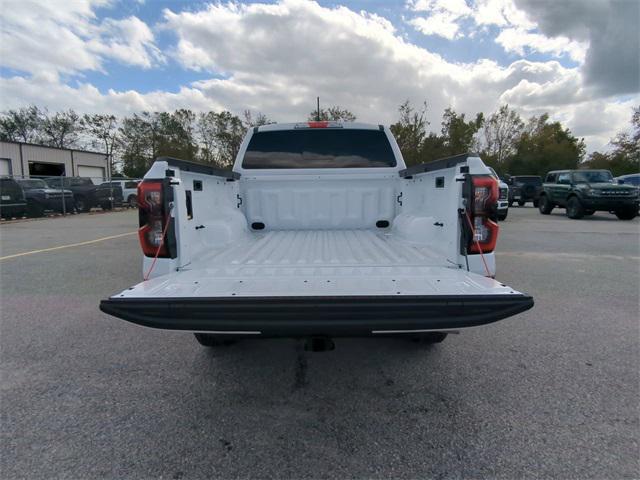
153	218
484	195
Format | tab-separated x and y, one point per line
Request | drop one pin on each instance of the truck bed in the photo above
314	262
336	283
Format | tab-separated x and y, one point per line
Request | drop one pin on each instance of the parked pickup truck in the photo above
12	201
86	195
319	231
40	197
583	192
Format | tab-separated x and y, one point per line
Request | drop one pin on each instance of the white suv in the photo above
129	190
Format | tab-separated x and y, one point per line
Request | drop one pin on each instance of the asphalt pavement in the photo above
551	393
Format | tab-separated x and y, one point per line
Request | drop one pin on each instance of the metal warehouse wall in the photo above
71	159
11	151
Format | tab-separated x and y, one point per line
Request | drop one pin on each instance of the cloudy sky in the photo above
576	59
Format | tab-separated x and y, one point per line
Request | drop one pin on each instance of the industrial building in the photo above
31	160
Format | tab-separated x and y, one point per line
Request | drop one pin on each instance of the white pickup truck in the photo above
319	231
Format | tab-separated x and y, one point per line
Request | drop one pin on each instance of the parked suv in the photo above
40	197
12	202
129	190
86	195
583	192
524	188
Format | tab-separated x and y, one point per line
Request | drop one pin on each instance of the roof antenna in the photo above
318	109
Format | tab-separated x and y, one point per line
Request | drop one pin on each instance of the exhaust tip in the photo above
319	344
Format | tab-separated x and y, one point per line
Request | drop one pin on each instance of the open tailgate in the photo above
333	301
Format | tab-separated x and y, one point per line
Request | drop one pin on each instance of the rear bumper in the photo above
310	316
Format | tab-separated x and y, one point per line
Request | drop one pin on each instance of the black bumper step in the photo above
304	316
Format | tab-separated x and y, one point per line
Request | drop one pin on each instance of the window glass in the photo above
33	183
74	182
529	180
564	178
319	148
53	182
593	176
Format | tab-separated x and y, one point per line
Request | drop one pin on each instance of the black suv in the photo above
12	202
524	188
583	192
86	195
40	197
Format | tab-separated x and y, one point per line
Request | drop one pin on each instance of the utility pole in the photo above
318	109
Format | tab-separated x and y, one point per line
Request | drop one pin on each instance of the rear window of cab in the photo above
319	148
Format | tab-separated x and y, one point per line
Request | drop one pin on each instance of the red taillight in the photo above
484	194
319	124
153	218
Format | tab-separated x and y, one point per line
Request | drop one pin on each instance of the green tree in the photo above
136	141
206	128
460	135
102	131
250	121
60	129
410	131
502	131
173	134
220	135
21	125
545	146
335	114
229	134
433	147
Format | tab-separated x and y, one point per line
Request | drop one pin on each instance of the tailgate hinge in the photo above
399	199
239	200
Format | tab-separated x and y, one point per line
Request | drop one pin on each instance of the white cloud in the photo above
501	13
442	17
518	34
522	41
66	37
129	41
440	24
277	57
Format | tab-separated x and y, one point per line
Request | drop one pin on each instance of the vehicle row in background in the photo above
86	194
36	196
41	197
584	192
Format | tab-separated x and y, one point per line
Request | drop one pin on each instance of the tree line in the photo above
510	144
505	141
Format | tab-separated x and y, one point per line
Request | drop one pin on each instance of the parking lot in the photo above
552	392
